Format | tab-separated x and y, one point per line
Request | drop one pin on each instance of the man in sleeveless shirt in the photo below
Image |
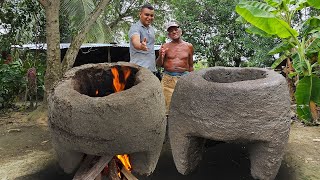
176	57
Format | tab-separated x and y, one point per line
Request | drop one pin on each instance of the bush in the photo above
13	79
11	82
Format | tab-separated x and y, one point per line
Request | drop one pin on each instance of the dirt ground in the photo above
26	153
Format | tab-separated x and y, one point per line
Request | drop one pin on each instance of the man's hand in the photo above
163	52
143	45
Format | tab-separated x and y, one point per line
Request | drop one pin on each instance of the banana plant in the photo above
299	42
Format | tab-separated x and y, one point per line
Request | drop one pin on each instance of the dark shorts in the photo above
158	74
176	73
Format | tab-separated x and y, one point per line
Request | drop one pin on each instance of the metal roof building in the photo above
91	52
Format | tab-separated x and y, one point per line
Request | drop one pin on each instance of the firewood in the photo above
99	177
128	174
113	170
91	167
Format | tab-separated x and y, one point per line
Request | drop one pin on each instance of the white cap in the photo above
171	24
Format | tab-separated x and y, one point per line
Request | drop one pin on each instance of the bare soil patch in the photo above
26	153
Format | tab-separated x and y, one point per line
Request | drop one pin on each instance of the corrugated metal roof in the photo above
66	46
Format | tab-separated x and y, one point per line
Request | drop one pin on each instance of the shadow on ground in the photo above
222	162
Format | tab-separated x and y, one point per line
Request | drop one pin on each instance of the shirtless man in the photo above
176	57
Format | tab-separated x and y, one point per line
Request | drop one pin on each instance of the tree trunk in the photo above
291	81
53	71
237	61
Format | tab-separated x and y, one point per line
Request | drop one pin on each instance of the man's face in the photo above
174	32
146	16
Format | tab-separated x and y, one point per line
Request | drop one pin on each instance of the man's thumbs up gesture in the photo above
163	51
143	45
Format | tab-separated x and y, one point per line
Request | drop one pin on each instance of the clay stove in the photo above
86	116
249	106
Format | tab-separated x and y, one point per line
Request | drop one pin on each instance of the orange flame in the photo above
125	161
97	92
119	86
117	83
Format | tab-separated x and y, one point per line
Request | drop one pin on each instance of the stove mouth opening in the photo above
226	75
99	82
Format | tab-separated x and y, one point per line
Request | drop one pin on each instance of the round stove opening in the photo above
98	82
233	75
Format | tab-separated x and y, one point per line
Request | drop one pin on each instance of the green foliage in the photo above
114	21
275	18
307	90
13	77
212	27
23	22
262	16
11	82
75	13
200	65
38	61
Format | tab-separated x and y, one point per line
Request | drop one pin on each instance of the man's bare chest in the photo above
178	52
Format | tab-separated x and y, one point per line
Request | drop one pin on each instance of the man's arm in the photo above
190	57
135	39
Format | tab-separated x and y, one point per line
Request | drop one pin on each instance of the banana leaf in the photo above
314	3
279	61
255	30
307	90
274	3
283	46
313	47
309	26
299	65
260	15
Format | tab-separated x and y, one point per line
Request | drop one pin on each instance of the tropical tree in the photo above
211	26
299	42
115	20
55	68
21	22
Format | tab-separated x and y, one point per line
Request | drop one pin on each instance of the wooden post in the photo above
91	167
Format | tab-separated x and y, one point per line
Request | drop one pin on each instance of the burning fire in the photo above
119	85
120	75
119	80
125	161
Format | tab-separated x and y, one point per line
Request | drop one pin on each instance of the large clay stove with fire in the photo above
87	115
249	106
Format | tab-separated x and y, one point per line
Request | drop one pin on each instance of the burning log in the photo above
120	162
91	167
113	170
128	174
